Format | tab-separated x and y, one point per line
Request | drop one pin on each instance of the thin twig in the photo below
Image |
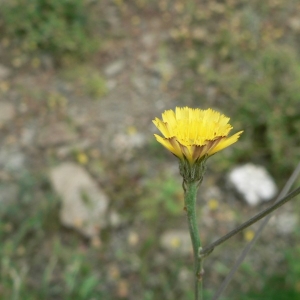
251	221
262	225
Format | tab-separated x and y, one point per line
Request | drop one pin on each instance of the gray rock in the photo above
177	241
149	40
294	23
129	141
12	160
47	62
114	68
144	57
8	193
165	69
7	112
56	134
84	204
111	84
140	83
28	135
253	182
124	144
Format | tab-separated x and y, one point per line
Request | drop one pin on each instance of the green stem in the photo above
191	189
208	249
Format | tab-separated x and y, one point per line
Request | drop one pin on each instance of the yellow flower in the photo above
249	235
82	158
193	133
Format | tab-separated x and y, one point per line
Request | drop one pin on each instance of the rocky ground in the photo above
83	133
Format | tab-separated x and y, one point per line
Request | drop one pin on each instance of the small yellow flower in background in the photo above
193	133
133	238
21	250
82	158
4	86
123	288
249	235
96	242
131	130
175	242
114	272
135	20
35	62
213	204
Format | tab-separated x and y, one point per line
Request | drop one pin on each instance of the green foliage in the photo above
251	72
87	80
283	284
95	86
273	289
35	261
265	100
293	274
164	196
59	27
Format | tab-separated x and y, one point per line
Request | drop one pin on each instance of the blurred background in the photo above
91	206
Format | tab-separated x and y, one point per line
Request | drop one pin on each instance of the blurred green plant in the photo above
61	28
162	196
38	259
249	68
283	285
266	99
95	86
87	79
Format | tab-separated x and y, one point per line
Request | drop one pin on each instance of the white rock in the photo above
253	183
177	241
84	204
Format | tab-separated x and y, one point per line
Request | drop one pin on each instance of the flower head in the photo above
194	133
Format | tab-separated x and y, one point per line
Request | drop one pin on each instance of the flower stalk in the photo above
190	194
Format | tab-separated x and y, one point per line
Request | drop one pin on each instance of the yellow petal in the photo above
176	146
169	117
167	144
161	126
187	153
225	143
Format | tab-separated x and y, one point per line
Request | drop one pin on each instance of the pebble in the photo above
84	203
253	182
